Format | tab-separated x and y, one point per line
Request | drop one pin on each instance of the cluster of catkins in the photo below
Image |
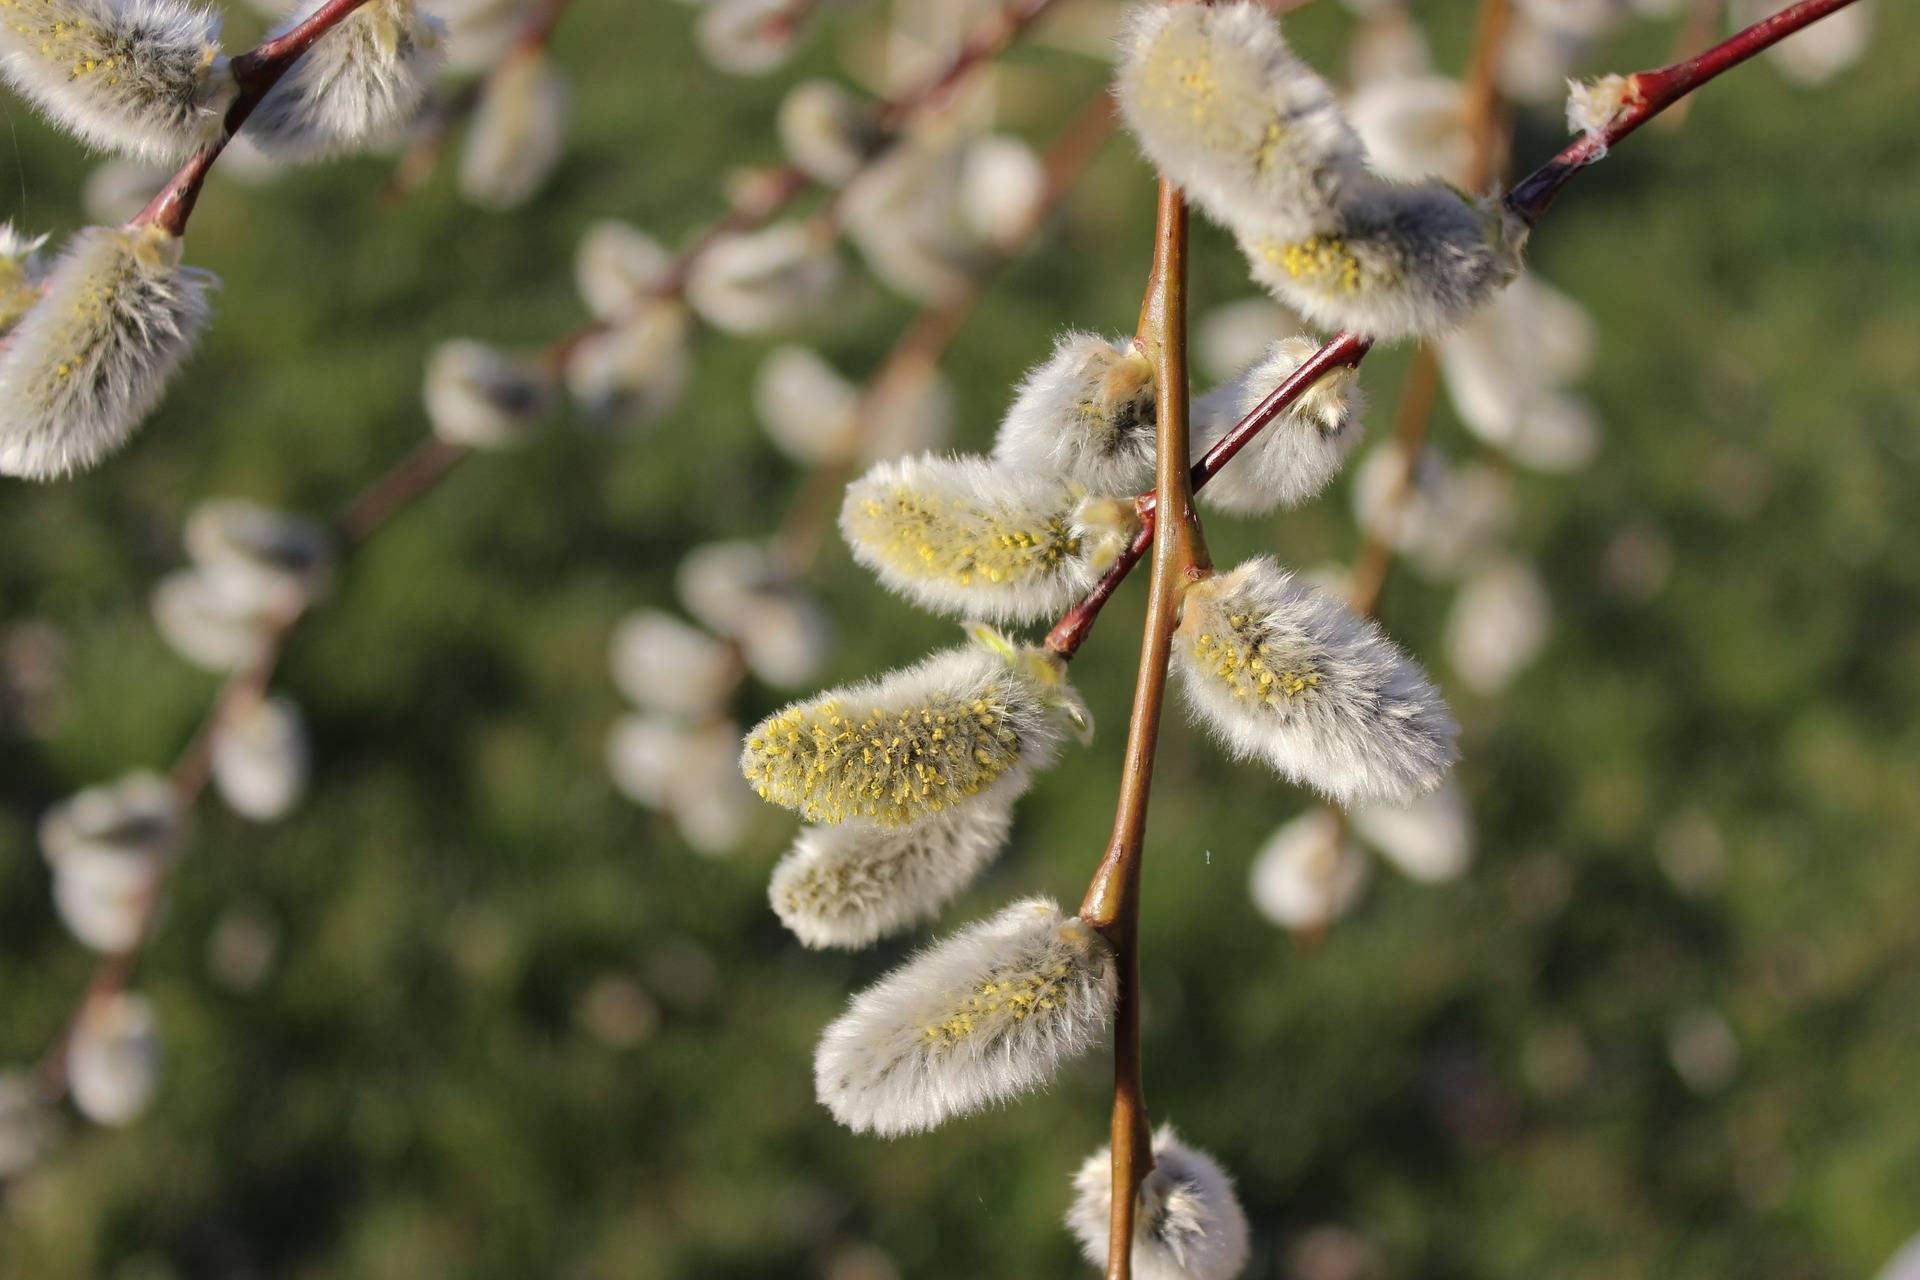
907	782
89	340
676	753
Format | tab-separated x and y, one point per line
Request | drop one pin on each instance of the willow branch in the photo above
256	72
1071	631
1651	92
1112	903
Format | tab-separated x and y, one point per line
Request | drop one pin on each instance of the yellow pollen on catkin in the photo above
1322	261
889	767
1004	998
1240	651
931	536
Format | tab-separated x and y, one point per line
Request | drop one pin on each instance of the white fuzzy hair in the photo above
633	373
274	560
259	758
850	886
516	135
1085	413
616	265
480	397
1222	106
1187	1223
981	539
757	281
1299	453
358	87
1287	673
89	361
826	132
966	723
1395	261
141	77
983	1016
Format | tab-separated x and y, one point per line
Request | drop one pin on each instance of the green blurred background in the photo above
1475	1078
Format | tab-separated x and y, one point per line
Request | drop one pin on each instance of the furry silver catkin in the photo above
1296	456
1223	107
1086	414
93	356
982	1017
1392	261
1187	1223
982	539
358	86
967	724
1287	673
141	77
21	274
850	886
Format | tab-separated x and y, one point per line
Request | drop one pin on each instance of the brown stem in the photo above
396	488
1653	92
1112	903
256	72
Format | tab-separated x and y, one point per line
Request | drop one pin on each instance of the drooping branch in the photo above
1660	90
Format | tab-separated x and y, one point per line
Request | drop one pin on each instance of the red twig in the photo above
256	72
1652	92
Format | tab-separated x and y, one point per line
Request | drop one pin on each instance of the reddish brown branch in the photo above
1651	92
256	72
1112	903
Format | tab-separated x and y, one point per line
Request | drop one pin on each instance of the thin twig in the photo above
256	72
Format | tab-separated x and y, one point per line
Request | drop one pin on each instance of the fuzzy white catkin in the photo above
273	560
980	539
816	416
1298	454
723	584
480	397
1431	839
1393	262
851	885
786	639
1288	674
1822	51
826	132
516	135
480	32
753	282
260	760
743	37
25	1128
21	274
207	623
633	373
1448	521
105	847
1414	127
907	214
137	816
141	77
966	726
1497	626
1308	874
982	1017
667	665
113	1061
1187	1223
615	266
1085	414
1223	107
358	87
688	773
1505	367
92	358
1001	185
